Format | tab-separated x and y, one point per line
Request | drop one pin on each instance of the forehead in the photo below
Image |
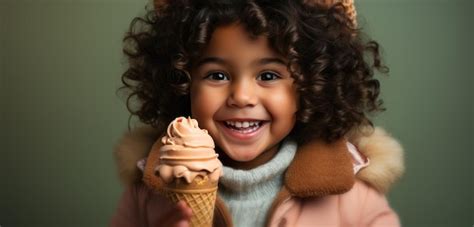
233	40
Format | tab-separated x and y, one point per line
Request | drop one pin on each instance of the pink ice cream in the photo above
188	152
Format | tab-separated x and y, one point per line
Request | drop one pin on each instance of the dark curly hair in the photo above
332	63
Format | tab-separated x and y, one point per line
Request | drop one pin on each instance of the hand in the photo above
178	215
141	206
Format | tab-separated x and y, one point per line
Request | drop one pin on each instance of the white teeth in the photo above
243	124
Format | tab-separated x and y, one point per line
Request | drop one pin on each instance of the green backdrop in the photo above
60	65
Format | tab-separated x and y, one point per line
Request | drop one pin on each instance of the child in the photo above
281	86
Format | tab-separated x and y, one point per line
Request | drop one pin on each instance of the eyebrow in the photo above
221	61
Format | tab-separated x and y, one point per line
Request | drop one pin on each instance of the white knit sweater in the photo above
249	193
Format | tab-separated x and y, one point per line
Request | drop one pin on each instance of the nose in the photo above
242	94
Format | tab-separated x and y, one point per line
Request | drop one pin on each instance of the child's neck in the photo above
258	161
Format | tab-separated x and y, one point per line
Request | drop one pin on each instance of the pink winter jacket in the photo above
320	188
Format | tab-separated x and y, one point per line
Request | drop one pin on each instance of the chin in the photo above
241	156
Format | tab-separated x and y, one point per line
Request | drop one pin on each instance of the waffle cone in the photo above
199	195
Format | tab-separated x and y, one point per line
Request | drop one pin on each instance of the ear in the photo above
349	7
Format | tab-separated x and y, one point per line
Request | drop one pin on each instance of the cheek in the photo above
283	103
282	106
198	103
204	104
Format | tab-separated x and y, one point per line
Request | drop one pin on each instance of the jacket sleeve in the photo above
377	211
127	212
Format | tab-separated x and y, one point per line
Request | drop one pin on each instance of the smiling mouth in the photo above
244	127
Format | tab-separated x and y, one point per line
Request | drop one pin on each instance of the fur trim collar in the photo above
386	157
333	167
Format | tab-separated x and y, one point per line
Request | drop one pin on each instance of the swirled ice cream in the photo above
188	152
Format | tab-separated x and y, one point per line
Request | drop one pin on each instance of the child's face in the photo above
243	94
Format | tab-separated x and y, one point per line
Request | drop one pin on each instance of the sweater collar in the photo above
242	180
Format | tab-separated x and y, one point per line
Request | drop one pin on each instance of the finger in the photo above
186	211
182	223
179	212
165	218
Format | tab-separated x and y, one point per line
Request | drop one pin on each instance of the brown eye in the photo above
217	76
268	76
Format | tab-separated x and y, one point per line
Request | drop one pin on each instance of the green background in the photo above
60	66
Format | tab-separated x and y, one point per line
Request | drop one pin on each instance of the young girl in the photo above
282	86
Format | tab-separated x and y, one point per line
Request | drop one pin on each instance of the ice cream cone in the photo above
189	168
199	195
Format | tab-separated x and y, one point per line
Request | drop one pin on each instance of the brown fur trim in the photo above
149	177
320	169
386	158
133	146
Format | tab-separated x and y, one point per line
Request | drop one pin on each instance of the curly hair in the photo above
331	62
